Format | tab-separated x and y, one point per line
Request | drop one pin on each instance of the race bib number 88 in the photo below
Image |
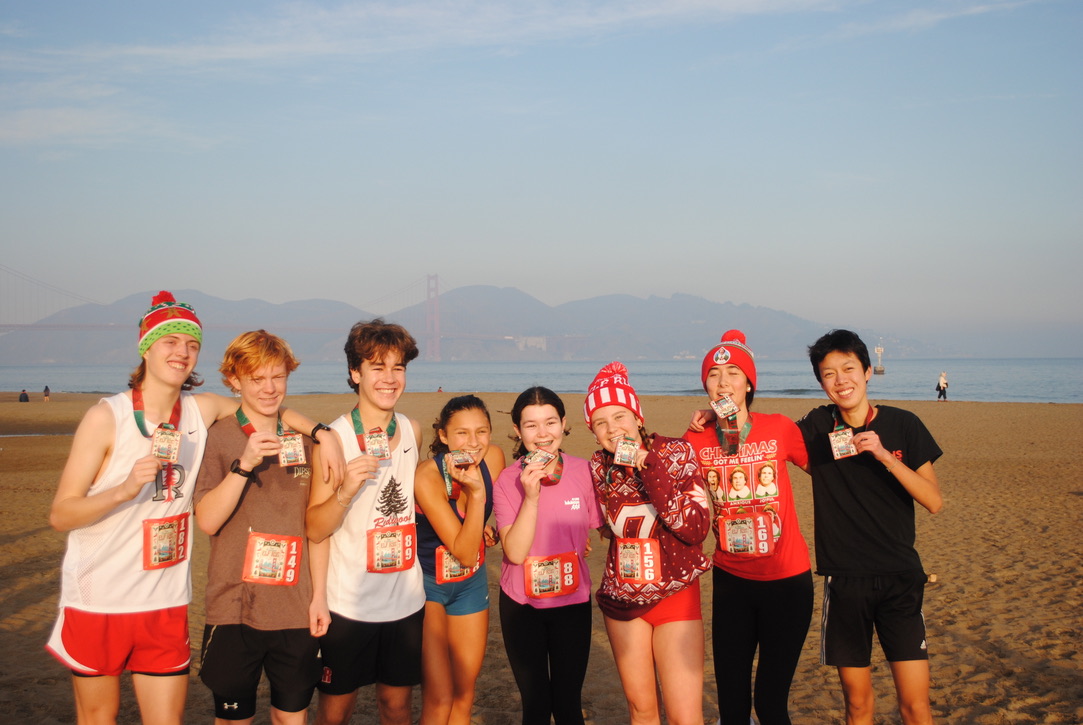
551	576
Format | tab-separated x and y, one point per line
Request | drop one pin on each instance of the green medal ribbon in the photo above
248	428
359	428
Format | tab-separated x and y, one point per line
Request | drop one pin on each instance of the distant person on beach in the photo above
24	397
125	498
454	502
869	464
373	586
654	502
45	394
545	511
250	498
942	387
763	581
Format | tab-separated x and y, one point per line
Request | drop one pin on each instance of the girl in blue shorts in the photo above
454	493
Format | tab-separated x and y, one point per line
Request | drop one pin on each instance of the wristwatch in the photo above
235	467
316	429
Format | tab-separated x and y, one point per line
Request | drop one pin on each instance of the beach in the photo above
1004	614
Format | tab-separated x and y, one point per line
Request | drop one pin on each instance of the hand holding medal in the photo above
259	446
144	471
361	469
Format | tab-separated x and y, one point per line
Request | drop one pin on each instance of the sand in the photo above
1005	615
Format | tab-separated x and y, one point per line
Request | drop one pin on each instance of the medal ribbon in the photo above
840	424
359	429
248	428
141	419
557	473
729	437
141	422
452	486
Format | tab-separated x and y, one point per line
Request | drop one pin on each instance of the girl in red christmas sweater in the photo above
650	490
762	582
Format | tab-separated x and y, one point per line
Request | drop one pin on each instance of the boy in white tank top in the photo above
371	582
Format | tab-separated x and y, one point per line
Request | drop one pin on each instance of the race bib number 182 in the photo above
165	541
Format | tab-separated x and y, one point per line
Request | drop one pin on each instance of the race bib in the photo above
638	560
392	548
449	569
271	559
551	576
748	534
165	541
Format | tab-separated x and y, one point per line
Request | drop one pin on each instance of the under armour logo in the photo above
231	706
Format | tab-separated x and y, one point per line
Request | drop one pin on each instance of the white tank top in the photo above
110	565
352	590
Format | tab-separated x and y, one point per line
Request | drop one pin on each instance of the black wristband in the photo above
316	429
235	467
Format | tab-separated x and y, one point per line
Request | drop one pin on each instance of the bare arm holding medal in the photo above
217	505
74	506
328	504
519	536
463	540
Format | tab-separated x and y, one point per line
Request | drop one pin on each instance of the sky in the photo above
913	167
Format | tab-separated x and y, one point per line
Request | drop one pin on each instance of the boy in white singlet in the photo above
373	586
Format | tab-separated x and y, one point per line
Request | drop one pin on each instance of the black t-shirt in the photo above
864	517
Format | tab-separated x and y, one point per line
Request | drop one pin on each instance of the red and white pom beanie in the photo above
732	351
166	316
610	387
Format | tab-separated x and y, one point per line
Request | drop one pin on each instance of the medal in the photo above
625	454
376	442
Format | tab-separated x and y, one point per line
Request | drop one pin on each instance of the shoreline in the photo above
1003	615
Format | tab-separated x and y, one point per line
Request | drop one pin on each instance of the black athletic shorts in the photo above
854	606
356	654
234	655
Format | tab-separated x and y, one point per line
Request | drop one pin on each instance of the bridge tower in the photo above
432	318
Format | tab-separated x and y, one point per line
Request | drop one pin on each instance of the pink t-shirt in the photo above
567	513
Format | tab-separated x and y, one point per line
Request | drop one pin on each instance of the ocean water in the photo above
1050	380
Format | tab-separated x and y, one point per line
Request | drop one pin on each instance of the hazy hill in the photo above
476	323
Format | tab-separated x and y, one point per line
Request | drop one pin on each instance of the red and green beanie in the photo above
732	351
166	316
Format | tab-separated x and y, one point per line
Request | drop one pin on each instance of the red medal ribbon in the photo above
141	421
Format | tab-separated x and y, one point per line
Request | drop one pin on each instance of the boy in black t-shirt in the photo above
868	465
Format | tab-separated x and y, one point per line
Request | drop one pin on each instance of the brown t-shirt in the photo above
273	504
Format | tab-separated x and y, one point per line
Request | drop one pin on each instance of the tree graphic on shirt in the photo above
392	502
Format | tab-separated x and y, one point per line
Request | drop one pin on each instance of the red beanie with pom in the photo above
610	387
732	351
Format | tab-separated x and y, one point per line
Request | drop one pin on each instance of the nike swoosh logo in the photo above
407	450
191	432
